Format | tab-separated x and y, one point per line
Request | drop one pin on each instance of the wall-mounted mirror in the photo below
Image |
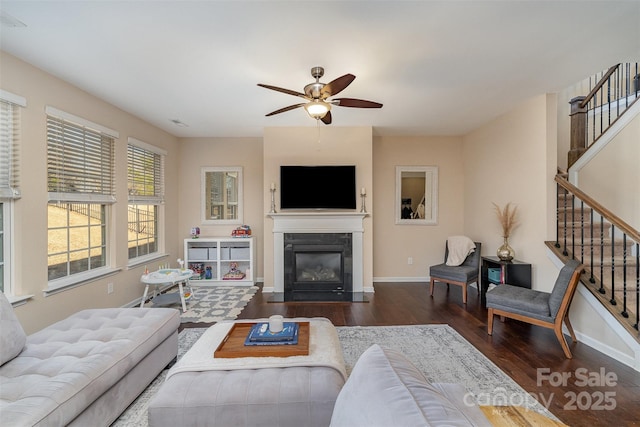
416	195
221	195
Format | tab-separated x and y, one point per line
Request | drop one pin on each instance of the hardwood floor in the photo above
530	355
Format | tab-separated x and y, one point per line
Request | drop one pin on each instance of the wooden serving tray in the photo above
233	344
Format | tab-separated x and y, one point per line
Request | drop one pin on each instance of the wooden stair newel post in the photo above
578	129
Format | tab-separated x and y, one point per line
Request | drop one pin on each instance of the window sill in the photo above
66	283
147	259
18	300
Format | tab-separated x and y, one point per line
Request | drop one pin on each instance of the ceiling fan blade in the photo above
357	103
337	85
287	91
282	110
327	118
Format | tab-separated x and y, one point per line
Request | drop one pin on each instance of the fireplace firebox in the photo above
318	267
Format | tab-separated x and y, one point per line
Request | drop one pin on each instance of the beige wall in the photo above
330	145
507	161
395	243
617	189
41	89
196	153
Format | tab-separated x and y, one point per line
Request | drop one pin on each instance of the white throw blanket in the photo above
459	249
324	350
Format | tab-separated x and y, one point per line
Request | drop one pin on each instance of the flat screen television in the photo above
318	187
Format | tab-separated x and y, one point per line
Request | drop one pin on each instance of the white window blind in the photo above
9	151
80	163
145	173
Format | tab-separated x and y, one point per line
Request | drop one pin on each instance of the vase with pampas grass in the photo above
508	217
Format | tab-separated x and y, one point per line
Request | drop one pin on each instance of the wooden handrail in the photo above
592	203
599	85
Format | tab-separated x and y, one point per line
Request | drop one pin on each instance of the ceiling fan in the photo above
317	94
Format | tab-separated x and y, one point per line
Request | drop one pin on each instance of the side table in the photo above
167	276
514	272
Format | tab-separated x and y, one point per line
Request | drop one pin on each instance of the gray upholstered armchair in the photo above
461	275
544	309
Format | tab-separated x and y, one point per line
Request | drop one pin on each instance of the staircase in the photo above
608	247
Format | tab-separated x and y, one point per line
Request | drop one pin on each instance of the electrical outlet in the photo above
410	260
109	288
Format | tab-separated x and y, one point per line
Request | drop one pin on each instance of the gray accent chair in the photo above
462	275
544	309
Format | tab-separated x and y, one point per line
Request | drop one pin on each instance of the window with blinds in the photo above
80	181
9	126
145	182
145	174
10	107
80	162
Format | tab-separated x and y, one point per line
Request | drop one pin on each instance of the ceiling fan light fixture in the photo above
317	109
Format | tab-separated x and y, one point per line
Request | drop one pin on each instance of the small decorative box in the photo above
494	275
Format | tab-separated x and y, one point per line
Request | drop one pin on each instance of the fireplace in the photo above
318	267
318	223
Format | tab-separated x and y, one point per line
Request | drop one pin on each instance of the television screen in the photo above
318	187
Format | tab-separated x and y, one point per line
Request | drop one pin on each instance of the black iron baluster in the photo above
613	267
557	245
624	313
581	232
627	84
608	103
637	285
591	240
617	92
564	247
601	290
573	228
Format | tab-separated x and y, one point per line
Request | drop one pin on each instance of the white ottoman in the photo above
255	391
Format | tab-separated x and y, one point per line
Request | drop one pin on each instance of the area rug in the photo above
214	304
438	351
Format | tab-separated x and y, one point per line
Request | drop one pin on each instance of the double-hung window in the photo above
145	182
80	181
9	181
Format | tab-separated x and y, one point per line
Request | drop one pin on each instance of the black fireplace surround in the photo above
318	267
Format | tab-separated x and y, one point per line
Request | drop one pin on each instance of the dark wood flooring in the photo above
589	397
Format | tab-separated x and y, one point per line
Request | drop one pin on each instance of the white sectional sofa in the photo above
84	370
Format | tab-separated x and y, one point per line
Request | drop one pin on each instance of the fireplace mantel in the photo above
317	222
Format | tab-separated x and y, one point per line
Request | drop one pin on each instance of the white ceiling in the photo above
439	67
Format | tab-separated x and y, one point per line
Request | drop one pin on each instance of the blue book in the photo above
259	336
261	332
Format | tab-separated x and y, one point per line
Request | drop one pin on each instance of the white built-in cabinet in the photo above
220	260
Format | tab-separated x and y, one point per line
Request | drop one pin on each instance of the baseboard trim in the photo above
419	279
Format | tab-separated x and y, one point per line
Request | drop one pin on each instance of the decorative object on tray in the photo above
276	323
234	273
261	335
242	231
508	220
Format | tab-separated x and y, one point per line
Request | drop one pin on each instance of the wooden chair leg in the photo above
464	294
562	340
431	287
490	322
570	328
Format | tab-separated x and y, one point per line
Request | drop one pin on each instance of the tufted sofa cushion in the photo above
386	389
66	366
12	338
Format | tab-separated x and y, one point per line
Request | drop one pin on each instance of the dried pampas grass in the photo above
507	217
